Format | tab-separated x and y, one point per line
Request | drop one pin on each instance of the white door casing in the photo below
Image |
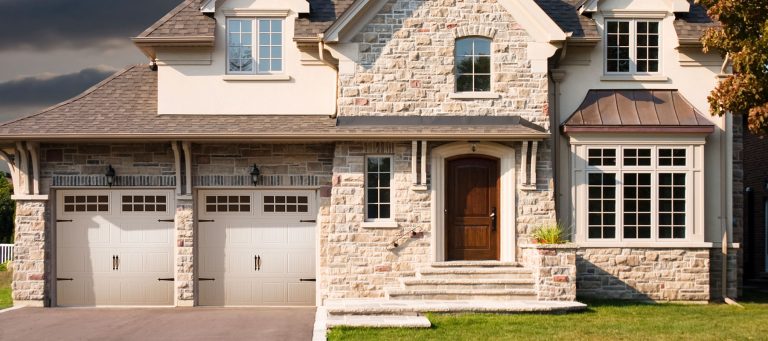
108	254
257	246
507	190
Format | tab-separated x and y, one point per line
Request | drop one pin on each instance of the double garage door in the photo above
116	247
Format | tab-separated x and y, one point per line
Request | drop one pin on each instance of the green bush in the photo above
550	234
4	267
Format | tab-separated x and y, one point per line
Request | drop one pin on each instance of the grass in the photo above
604	320
5	289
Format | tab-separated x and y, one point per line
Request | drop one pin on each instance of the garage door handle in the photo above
114	262
206	279
308	280
165	220
205	220
65	279
165	279
308	221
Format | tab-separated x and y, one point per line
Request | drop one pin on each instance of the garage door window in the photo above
227	203
86	203
145	203
286	204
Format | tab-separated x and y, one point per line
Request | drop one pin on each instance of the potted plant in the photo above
553	233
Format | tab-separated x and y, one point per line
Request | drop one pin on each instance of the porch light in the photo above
110	176
255	173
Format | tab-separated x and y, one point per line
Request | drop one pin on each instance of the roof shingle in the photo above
185	20
322	14
566	14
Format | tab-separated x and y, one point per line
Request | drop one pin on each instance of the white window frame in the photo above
694	202
632	46
255	45
375	222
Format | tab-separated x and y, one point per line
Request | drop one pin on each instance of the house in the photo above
298	152
755	208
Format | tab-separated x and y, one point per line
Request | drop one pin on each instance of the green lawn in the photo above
5	289
602	321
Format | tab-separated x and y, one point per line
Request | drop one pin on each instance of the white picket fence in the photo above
6	252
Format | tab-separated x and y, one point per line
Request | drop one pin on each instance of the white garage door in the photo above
111	248
257	248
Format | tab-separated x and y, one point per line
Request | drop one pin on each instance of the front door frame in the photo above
507	212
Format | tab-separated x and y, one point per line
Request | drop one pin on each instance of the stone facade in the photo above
406	62
554	270
716	273
644	274
185	253
32	271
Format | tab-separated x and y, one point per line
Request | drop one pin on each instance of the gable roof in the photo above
566	14
691	26
124	106
185	20
624	111
322	14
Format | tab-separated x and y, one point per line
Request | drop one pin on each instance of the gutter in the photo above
386	136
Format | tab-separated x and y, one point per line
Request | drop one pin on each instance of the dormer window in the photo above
254	46
473	64
632	46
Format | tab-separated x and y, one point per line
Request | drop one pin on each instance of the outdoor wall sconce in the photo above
110	176
255	173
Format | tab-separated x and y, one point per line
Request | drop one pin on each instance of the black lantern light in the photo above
110	176
255	173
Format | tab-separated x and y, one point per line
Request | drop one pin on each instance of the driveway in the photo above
63	324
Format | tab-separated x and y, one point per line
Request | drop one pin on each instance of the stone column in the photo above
185	252
554	270
31	253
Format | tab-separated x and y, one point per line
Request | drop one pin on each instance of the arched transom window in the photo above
473	64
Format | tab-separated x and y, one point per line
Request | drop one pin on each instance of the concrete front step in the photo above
475	273
474	263
462	294
409	307
378	321
466	283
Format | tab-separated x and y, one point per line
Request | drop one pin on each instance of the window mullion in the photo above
620	199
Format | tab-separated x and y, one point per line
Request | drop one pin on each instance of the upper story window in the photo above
254	46
473	64
632	46
378	185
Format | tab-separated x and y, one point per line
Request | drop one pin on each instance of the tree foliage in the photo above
743	35
7	209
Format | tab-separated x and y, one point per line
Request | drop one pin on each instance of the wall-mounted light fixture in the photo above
110	175
255	173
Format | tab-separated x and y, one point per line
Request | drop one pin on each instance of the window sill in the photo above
474	95
379	225
247	78
634	78
419	187
649	245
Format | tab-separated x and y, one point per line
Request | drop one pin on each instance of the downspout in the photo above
321	51
725	224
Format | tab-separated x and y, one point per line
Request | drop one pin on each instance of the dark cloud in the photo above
49	24
48	90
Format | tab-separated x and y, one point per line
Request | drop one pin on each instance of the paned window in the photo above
86	203
227	203
651	182
254	46
144	203
378	188
286	204
632	46
473	64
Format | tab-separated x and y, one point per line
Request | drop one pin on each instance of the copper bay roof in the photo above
637	111
124	106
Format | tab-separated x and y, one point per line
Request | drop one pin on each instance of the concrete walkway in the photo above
63	324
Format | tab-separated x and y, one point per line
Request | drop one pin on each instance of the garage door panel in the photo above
302	235
273	291
158	262
274	236
239	292
274	262
240	235
301	293
301	262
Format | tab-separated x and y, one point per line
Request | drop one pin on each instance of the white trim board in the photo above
507	194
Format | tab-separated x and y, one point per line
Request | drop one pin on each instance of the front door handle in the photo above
493	219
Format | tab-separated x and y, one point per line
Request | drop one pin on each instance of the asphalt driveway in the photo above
63	324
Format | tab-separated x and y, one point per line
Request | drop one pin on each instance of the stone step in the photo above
466	283
394	307
474	263
475	273
378	321
462	294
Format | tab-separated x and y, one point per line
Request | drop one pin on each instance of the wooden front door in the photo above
472	202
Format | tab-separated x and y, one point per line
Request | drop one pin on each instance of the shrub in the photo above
550	234
4	267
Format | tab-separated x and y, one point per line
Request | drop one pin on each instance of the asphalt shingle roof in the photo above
185	20
692	25
565	13
125	106
322	14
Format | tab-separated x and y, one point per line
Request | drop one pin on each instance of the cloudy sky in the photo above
51	50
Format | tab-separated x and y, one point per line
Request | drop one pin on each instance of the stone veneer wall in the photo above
554	270
644	274
185	253
31	254
361	262
716	273
406	62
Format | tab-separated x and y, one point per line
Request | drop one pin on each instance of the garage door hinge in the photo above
65	279
308	280
308	221
165	220
64	220
166	279
205	220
